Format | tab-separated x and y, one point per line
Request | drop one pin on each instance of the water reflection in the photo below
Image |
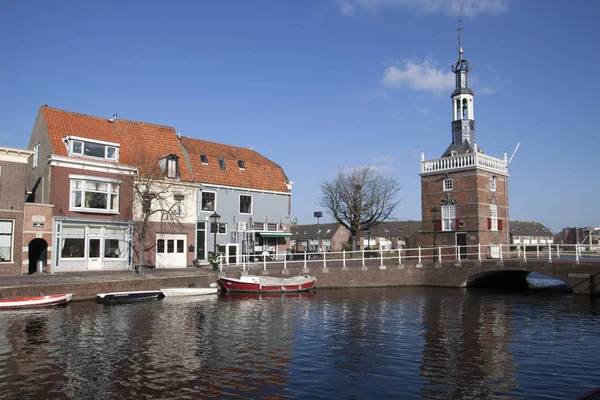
383	343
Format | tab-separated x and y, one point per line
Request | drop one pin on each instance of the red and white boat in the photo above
35	301
266	284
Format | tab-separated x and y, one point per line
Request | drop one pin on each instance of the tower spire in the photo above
460	29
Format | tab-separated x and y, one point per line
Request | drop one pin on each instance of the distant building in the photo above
321	237
530	233
390	235
585	236
335	237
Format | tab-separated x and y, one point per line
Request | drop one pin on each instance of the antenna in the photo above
513	154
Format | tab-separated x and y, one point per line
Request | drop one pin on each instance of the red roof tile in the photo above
260	173
141	144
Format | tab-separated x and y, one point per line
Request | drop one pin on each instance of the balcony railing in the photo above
465	161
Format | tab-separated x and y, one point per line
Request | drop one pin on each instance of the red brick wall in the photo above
60	194
473	198
38	212
12	200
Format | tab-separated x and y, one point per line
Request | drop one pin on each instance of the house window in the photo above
493	184
241	164
448	185
73	242
208	201
449	218
179	204
93	149
222	230
115	243
221	163
493	217
36	155
172	168
245	204
6	241
94	196
203	158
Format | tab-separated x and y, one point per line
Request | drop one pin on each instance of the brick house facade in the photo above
13	172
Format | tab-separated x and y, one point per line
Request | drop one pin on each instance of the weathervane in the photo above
460	49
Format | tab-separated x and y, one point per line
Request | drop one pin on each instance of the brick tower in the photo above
464	193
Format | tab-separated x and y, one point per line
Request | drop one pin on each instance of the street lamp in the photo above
318	214
214	219
435	217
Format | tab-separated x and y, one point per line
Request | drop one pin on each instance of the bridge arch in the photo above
510	279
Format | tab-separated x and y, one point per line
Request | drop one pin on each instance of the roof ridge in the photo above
222	144
104	118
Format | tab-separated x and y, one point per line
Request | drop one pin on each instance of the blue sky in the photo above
321	85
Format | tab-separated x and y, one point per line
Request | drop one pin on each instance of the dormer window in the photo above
203	158
241	164
169	165
221	163
92	148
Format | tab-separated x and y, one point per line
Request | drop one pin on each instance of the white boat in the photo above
189	291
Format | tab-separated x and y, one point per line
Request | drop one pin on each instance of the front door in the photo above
232	250
201	240
94	259
461	243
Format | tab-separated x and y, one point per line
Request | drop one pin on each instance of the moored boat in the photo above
188	291
267	284
129	297
35	301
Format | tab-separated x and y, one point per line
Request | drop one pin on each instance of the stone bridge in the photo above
582	277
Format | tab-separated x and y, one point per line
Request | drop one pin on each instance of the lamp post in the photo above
318	214
435	217
214	219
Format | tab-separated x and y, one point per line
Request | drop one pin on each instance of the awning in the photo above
275	234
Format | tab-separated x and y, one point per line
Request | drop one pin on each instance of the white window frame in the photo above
221	224
11	237
494	217
251	204
172	166
88	179
493	184
214	201
72	139
179	200
448	185
449	217
36	155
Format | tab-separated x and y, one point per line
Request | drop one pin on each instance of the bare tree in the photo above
359	198
157	206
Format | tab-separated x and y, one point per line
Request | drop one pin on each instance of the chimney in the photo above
115	117
179	135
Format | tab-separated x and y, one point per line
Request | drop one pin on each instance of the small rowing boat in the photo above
35	301
267	284
128	297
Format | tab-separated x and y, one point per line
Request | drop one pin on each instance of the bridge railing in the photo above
421	255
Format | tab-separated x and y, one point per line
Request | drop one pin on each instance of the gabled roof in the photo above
258	173
522	228
141	144
391	229
306	232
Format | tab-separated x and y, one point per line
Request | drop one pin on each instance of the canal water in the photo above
403	343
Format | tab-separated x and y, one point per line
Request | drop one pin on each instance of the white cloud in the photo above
423	110
419	75
449	7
